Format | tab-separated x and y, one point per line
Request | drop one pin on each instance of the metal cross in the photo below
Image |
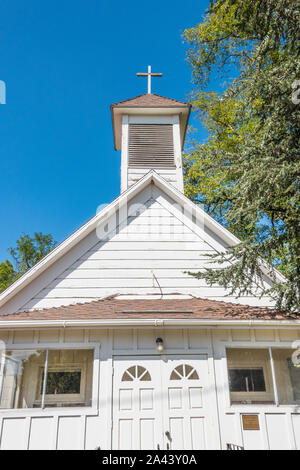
149	75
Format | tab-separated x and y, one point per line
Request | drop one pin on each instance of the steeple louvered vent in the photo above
151	145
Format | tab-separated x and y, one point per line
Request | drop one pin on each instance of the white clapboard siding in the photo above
134	174
156	229
146	255
138	248
155	237
120	282
153	220
141	171
149	211
148	263
165	245
98	293
129	273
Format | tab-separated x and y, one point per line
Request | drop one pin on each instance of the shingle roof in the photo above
150	100
114	308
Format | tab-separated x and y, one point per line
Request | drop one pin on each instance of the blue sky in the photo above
64	62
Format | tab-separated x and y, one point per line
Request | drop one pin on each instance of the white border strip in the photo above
143	322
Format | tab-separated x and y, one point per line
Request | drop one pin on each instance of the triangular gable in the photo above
201	232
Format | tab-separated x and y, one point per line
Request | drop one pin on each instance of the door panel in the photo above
185	414
137	408
164	401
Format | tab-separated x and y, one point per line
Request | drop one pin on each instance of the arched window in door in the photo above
136	373
184	371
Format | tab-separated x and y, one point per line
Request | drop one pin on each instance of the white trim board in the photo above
129	323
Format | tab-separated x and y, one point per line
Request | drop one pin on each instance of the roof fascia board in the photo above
145	322
117	111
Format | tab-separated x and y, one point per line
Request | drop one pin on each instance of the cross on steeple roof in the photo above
149	74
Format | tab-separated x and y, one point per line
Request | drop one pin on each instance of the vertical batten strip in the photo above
45	379
124	154
273	377
55	423
292	437
177	152
82	432
1	426
264	431
27	432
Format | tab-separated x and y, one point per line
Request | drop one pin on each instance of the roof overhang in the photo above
151	322
117	111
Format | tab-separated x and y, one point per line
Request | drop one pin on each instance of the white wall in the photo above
90	428
161	240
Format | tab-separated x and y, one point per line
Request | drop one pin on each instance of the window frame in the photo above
248	368
241	398
236	397
92	410
230	407
61	397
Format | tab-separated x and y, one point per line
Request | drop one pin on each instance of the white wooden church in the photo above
108	342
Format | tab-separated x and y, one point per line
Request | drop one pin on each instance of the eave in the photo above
151	322
118	111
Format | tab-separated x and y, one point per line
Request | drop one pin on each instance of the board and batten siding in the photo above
90	428
146	257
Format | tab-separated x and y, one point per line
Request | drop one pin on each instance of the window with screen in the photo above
46	378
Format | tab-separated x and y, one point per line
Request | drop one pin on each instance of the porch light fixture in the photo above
159	345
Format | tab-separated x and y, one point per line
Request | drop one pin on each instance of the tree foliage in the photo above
247	172
27	252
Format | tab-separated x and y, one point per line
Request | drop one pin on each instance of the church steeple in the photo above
150	131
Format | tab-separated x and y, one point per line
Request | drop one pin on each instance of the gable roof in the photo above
150	99
189	309
86	229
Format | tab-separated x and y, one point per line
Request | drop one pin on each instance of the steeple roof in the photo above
149	104
151	100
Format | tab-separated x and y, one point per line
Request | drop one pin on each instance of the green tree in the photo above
28	251
7	274
247	172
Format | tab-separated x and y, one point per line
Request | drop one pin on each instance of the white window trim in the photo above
92	410
65	397
255	396
230	408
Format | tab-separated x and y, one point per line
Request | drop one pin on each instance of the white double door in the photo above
164	402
